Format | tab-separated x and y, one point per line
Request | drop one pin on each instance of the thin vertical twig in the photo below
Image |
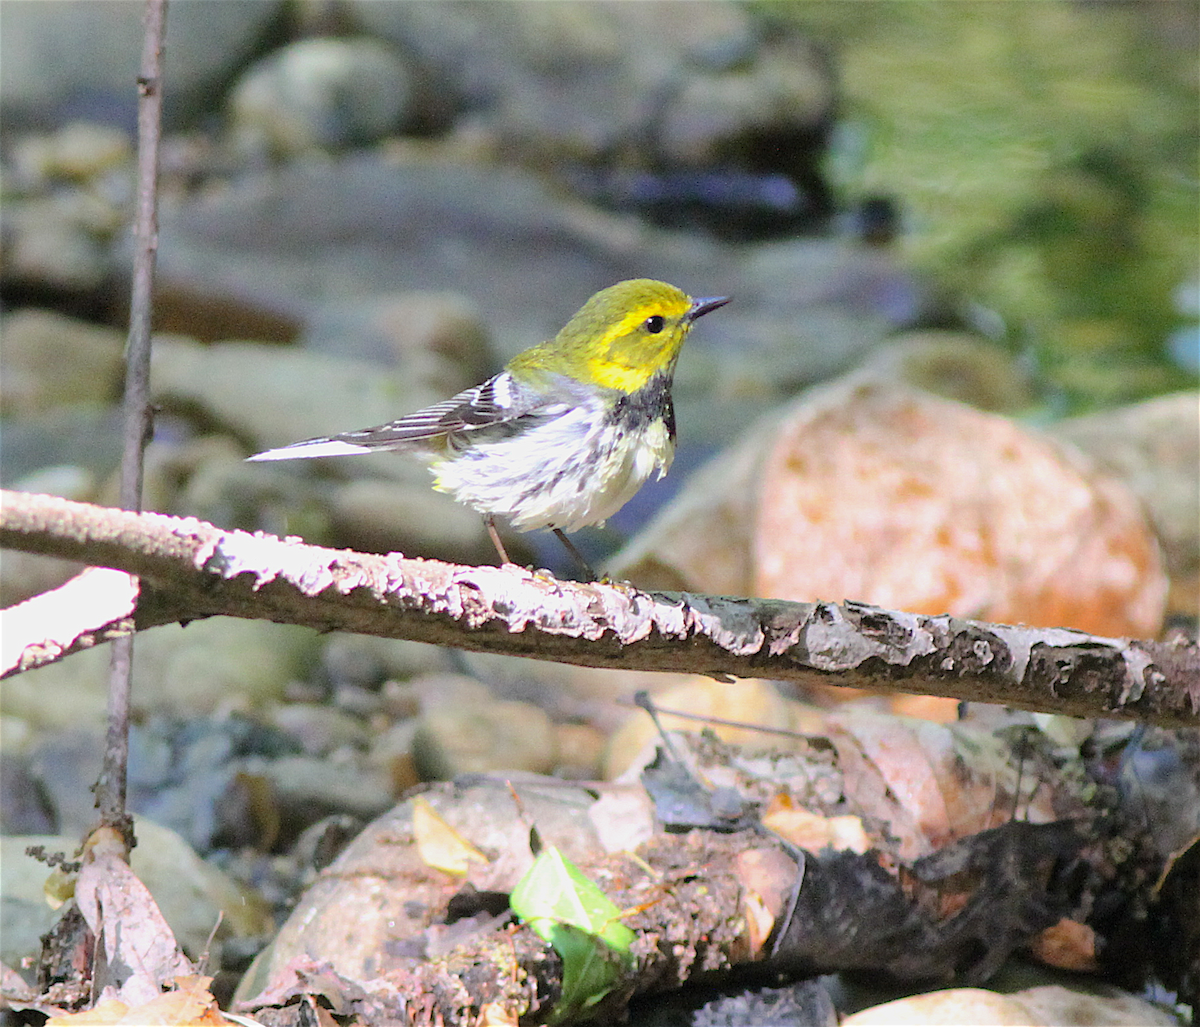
110	787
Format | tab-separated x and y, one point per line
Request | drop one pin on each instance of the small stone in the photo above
321	94
453	740
318	728
307	788
53	246
357	701
581	751
367	661
52	360
392	752
953	365
78	151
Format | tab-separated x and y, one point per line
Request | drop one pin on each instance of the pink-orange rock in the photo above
894	497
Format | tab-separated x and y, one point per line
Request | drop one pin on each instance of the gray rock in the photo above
52	245
25	808
272	395
319	729
85	436
319	94
439	338
680	81
408	517
493	735
64	764
77	151
368	661
221	663
306	788
51	360
1154	448
79	58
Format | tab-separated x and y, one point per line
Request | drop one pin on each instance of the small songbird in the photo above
571	428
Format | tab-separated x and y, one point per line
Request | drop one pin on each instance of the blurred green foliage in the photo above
1046	156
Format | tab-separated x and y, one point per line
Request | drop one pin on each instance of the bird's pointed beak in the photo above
705	304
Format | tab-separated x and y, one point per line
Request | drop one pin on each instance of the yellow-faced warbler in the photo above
570	429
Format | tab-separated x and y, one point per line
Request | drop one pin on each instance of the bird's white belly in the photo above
566	473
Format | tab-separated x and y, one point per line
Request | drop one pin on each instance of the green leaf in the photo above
567	910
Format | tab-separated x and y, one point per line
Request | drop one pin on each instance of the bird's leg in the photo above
587	567
490	524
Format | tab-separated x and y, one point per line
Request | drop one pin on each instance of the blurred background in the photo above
959	372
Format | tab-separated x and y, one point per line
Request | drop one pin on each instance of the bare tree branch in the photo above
190	568
110	787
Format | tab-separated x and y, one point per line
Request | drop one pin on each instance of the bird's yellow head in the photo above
622	337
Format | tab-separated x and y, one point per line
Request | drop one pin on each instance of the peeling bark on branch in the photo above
190	569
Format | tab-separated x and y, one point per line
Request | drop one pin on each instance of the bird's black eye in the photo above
655	324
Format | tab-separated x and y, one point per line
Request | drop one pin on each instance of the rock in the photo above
87	436
16	735
408	517
178	775
890	496
273	395
51	360
65	480
193	895
318	729
64	764
437	338
367	913
1154	448
25	808
580	749
679	84
392	752
305	789
222	663
953	365
77	151
440	691
1042	1006
496	735
80	58
741	92
321	94
369	661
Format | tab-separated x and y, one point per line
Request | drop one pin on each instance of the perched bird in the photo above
570	429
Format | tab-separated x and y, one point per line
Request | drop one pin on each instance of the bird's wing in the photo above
497	401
